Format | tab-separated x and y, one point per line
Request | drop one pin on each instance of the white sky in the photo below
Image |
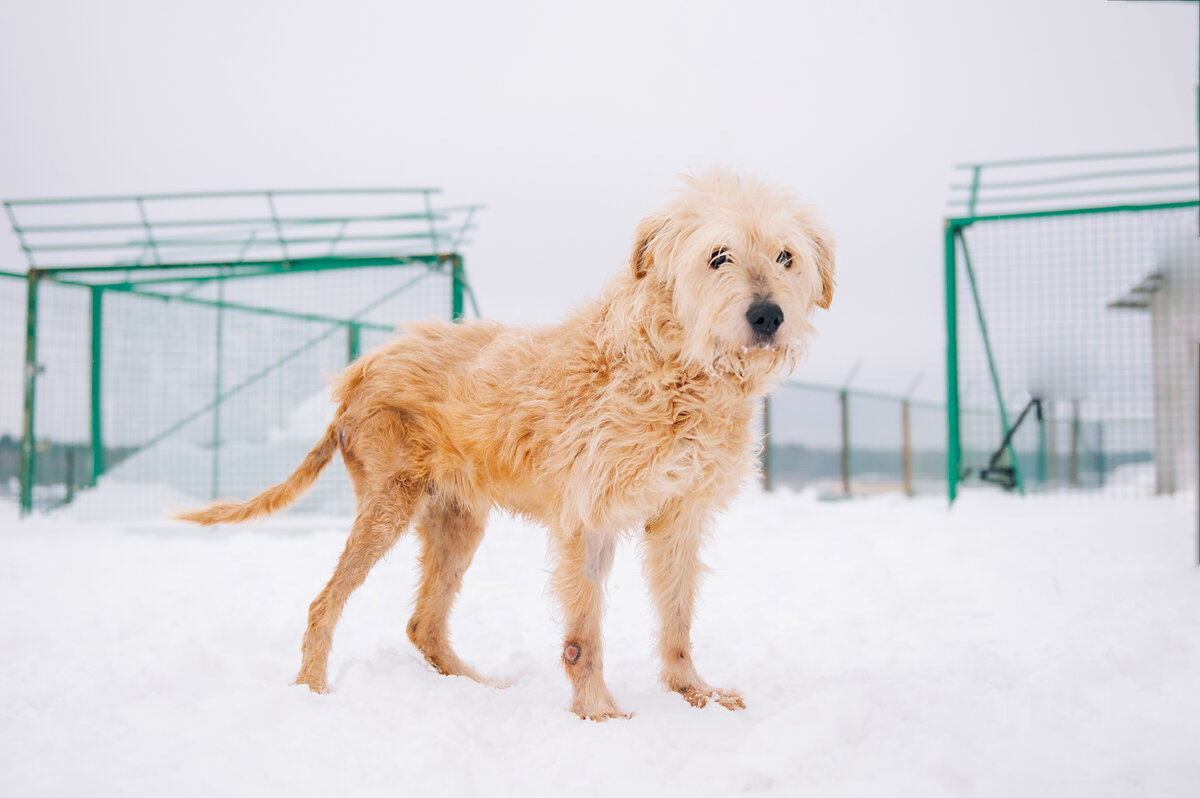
570	121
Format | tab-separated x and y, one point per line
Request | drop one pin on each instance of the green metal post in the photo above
991	360
28	441
458	280
96	386
953	433
845	402
974	190
1042	470
353	342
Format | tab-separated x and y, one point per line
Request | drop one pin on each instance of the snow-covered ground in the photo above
885	647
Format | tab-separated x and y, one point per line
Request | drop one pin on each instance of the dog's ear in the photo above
823	253
641	259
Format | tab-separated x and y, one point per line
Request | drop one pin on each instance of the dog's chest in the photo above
708	451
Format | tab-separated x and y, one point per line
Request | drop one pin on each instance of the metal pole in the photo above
953	433
456	298
28	441
96	384
353	343
766	450
907	448
845	401
1073	464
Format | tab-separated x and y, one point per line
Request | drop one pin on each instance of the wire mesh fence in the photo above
1080	330
844	442
177	347
191	393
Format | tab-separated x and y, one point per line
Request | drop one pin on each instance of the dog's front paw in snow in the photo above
698	695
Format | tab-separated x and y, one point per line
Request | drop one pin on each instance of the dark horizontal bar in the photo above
964	221
238	306
1103	156
1166	170
861	393
185	243
1078	194
290	192
277	265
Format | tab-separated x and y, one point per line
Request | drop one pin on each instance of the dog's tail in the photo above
273	499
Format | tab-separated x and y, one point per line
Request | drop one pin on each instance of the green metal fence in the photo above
179	344
1075	326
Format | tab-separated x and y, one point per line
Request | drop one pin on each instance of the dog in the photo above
635	414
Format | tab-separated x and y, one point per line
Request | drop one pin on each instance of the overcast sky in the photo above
570	121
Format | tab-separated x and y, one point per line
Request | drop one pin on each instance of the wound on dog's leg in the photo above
571	653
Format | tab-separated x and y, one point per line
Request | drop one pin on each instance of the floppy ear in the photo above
823	248
641	259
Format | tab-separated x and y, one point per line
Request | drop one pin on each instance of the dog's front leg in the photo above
673	569
583	563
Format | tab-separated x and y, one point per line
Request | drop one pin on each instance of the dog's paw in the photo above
699	696
313	683
598	711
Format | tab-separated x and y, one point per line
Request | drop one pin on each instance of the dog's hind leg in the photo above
582	567
450	533
383	516
673	569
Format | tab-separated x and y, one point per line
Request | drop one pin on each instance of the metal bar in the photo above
433	233
974	190
965	221
96	384
953	434
16	226
1042	450
216	303
466	225
274	265
1073	463
987	348
442	214
28	434
1058	195
1104	156
456	297
1057	179
341	233
219	194
200	243
906	447
149	233
278	226
353	342
845	403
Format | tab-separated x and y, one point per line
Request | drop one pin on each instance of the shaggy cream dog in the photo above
633	414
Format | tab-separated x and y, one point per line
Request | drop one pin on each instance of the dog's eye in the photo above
785	258
718	259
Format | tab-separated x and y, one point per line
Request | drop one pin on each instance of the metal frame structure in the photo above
164	246
1114	184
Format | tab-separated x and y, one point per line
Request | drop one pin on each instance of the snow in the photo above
885	647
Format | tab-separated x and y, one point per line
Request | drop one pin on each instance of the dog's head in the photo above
743	265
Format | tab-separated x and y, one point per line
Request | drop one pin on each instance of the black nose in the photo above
764	318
